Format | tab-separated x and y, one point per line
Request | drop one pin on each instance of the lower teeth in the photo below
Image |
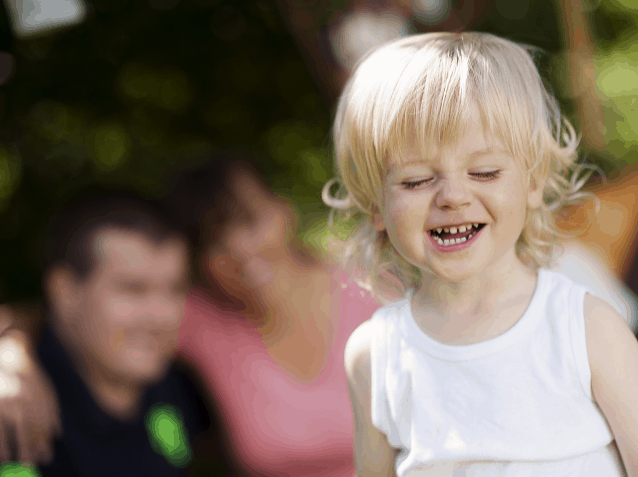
454	241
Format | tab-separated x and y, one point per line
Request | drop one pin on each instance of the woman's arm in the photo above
373	455
613	358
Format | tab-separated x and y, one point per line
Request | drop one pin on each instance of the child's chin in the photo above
452	275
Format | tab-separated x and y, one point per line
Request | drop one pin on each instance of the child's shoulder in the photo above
357	357
357	352
557	284
391	310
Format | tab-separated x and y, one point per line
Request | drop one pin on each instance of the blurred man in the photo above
116	276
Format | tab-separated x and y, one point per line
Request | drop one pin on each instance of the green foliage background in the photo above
135	94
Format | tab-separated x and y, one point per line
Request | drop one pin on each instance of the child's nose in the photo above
453	193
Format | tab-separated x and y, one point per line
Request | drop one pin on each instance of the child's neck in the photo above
476	309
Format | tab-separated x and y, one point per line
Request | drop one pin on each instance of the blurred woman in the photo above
267	325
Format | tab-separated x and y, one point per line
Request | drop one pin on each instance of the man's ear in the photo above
60	287
535	192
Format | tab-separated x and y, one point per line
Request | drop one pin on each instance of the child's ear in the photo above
535	192
377	220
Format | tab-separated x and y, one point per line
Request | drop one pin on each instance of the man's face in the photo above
128	309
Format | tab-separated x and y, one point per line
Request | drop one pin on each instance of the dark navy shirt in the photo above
95	444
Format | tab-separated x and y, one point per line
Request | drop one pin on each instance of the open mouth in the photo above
447	236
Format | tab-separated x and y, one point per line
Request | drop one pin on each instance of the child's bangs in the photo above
419	93
451	78
510	96
434	113
516	129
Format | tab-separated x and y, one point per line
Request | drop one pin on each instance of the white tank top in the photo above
519	404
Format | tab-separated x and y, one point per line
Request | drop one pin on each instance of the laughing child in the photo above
456	157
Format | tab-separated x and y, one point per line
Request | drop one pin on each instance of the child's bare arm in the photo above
373	455
613	358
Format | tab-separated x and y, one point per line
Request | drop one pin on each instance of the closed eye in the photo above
413	184
133	287
486	175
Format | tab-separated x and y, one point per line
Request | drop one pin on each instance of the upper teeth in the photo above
460	228
452	241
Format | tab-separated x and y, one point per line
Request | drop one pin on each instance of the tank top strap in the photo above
577	336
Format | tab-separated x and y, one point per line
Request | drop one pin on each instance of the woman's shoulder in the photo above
199	304
201	314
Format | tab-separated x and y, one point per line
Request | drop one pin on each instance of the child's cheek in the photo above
398	207
404	217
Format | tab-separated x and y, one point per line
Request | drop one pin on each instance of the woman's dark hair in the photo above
206	198
206	195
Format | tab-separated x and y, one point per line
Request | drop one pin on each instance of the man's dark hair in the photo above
73	230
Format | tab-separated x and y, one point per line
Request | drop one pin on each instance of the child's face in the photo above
474	181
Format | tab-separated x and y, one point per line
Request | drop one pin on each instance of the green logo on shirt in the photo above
167	434
18	470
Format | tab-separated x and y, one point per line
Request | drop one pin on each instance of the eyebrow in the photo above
481	152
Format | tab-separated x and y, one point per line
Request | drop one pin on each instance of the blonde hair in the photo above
423	87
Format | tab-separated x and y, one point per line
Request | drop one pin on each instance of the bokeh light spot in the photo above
627	4
29	17
137	81
9	385
618	78
168	89
355	33
175	91
431	12
618	84
50	120
12	356
111	144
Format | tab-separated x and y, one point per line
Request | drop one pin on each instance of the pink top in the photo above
278	424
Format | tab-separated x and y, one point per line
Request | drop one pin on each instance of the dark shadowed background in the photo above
143	88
